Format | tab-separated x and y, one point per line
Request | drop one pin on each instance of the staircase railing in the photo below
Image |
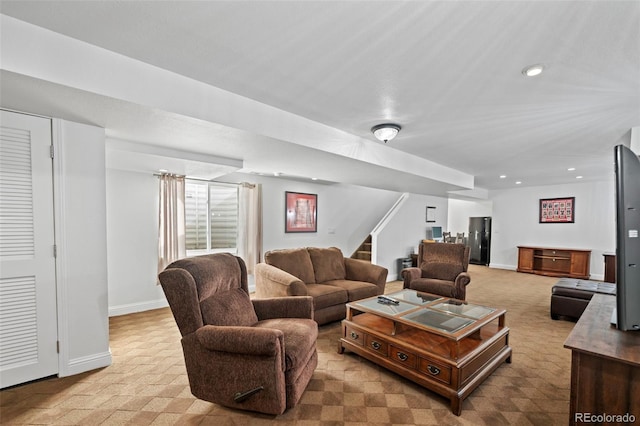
383	223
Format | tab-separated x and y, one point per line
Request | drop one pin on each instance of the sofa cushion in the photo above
328	264
441	270
356	290
326	295
297	262
231	307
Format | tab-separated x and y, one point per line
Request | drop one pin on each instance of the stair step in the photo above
364	251
363	255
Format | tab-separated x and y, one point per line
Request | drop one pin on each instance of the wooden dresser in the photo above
609	267
605	366
555	262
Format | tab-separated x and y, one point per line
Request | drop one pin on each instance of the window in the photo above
211	214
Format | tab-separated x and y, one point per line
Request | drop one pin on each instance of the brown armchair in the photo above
442	270
256	355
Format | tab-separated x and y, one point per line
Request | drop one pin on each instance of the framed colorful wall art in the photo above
557	210
301	212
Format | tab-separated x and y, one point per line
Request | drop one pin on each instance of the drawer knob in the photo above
433	369
354	335
376	345
402	357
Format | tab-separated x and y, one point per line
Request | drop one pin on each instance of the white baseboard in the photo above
131	308
499	266
86	363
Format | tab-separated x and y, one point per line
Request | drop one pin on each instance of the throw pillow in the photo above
231	307
328	264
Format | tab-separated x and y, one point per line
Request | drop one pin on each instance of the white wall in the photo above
461	210
80	205
515	222
132	241
406	229
346	215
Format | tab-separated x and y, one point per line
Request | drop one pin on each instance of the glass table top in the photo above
415	297
429	310
464	309
440	320
389	309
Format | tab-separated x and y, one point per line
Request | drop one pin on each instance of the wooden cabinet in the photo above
555	262
609	267
525	259
605	367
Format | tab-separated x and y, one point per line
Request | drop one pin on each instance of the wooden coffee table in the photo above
447	346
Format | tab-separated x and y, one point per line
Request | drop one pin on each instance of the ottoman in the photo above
570	296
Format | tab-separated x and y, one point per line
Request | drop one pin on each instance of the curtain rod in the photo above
203	180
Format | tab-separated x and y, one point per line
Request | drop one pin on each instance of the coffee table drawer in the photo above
435	370
403	357
354	336
376	345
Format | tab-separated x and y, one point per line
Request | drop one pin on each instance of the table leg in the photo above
456	405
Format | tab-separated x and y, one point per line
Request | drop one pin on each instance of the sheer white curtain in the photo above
171	221
250	224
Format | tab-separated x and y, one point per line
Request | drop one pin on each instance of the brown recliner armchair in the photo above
442	270
256	355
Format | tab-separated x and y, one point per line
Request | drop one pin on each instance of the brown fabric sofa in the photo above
442	270
256	355
325	274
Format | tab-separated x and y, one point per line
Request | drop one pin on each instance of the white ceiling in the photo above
449	72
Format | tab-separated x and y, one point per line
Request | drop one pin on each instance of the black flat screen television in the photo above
627	169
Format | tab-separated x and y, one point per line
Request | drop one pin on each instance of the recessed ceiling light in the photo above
570	169
533	70
518	182
503	176
578	177
314	178
277	173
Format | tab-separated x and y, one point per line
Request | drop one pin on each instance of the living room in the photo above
111	108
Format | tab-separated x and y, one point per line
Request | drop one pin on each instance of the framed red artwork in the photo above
557	210
301	212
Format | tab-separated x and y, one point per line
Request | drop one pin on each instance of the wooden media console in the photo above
555	262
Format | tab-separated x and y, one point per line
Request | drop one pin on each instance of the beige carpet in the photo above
147	383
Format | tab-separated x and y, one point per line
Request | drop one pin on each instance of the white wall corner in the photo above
635	140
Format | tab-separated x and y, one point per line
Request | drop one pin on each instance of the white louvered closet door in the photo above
28	320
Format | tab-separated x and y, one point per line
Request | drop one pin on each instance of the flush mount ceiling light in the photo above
533	70
385	132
